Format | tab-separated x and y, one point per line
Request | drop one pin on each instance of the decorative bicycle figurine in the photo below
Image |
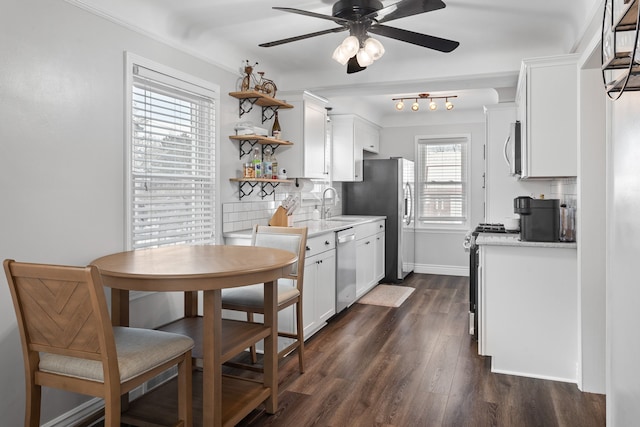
262	85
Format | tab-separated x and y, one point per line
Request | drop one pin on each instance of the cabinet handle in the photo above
381	226
326	242
367	242
307	248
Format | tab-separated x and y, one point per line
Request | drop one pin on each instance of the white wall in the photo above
441	251
61	155
623	250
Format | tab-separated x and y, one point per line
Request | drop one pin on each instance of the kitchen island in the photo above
528	307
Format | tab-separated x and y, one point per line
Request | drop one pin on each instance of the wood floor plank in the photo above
414	365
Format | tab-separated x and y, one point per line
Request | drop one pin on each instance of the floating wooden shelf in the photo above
627	21
247	99
260	180
261	99
267	140
623	60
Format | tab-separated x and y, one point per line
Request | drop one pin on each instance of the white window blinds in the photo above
172	161
442	180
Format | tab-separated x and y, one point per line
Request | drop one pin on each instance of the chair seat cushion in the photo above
139	350
253	295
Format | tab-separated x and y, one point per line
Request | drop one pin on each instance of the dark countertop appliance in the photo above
539	219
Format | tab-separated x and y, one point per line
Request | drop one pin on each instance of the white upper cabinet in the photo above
351	135
305	124
547	99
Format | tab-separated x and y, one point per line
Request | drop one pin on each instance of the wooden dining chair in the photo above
250	299
68	342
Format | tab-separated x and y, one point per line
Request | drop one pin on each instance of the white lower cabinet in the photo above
369	256
378	266
319	291
528	308
365	255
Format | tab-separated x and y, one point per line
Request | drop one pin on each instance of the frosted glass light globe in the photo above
351	45
374	48
364	59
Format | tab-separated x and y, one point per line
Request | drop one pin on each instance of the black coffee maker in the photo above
539	219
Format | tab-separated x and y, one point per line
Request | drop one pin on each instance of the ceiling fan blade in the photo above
405	8
431	42
302	37
335	19
353	66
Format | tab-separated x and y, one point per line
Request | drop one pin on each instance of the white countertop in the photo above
314	228
513	239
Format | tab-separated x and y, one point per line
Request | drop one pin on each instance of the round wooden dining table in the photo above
208	268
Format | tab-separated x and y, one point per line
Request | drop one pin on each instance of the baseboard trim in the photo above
445	270
78	414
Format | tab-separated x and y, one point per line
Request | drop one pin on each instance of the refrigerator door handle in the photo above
408	204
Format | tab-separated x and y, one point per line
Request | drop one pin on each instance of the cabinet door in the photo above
343	164
365	254
309	317
370	138
304	125
315	120
378	267
550	133
325	290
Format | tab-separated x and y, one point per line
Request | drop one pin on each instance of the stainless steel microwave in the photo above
513	150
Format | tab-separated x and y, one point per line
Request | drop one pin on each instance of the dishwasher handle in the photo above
346	238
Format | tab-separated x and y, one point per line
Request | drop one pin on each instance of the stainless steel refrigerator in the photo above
387	188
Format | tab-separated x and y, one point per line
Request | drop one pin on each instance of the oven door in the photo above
473	290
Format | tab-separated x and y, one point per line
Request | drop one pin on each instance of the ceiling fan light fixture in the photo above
364	59
340	55
350	45
374	48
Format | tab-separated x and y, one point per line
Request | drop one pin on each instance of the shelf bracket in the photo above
269	186
241	190
241	105
243	152
268	112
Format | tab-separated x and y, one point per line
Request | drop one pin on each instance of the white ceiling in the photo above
494	36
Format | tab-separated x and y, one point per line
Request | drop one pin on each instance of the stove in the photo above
489	228
470	245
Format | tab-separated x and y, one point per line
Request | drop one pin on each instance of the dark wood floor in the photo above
414	365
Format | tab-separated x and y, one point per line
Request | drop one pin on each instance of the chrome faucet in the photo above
324	211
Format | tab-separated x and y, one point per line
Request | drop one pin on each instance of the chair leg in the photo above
32	407
112	408
252	349
185	390
300	332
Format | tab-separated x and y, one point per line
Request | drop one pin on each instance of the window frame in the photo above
466	169
185	81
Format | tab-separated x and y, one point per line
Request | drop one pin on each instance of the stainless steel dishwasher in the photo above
345	268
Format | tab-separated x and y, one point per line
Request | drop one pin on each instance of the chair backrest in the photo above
293	239
61	310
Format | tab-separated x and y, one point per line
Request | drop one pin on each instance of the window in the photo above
442	180
170	157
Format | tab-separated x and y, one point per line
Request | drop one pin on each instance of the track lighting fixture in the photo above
432	104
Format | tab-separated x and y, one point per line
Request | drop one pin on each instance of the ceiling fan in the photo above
361	17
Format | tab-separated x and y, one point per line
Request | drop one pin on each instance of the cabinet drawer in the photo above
321	243
369	228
